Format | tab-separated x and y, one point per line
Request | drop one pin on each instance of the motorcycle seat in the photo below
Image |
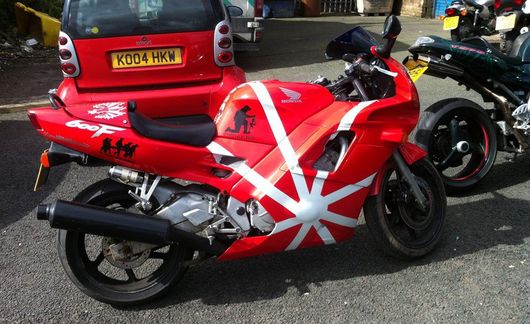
196	130
514	60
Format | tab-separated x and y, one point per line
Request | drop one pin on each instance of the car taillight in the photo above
225	43
68	68
450	11
68	56
65	54
225	57
224	29
34	121
258	8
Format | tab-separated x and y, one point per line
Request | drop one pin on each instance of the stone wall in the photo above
418	8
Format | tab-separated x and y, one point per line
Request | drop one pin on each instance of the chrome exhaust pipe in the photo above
121	225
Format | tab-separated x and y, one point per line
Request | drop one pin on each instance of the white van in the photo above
247	28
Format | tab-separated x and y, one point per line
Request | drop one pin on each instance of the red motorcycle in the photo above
284	166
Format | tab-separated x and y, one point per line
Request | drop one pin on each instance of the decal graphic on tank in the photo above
241	120
128	149
294	97
108	110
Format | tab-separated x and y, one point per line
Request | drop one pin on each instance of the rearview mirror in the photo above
391	28
234	11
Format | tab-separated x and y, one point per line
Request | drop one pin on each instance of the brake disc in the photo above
120	254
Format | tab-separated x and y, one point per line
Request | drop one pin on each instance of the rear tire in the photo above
104	281
399	226
460	169
463	31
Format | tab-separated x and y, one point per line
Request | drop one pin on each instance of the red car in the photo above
174	57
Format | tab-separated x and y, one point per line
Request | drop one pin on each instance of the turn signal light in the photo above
68	68
442	17
65	54
225	57
463	12
224	29
63	40
225	42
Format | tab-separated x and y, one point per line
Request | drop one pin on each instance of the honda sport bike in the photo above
283	166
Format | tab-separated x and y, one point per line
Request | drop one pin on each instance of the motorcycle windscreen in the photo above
354	41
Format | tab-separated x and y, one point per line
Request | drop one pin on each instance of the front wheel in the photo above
398	224
113	271
461	141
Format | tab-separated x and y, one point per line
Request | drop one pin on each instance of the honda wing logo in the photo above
294	97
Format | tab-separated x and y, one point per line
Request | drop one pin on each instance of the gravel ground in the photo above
478	273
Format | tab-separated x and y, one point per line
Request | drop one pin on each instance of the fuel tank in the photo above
252	109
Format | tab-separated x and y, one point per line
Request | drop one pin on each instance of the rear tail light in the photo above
223	45
224	29
226	57
68	56
69	69
65	54
450	11
258	8
497	4
33	119
519	2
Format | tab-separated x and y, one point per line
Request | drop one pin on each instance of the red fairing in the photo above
269	136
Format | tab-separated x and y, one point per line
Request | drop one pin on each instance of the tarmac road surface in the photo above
478	273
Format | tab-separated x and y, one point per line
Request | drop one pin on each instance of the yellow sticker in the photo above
95	30
417	72
416	68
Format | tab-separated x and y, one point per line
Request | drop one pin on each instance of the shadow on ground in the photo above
22	146
301	42
271	276
503	175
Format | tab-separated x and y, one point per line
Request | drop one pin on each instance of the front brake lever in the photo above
387	72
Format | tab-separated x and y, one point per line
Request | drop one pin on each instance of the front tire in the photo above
398	225
460	140
84	258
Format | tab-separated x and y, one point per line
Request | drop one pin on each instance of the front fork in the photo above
409	178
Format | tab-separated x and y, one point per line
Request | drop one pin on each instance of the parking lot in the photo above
478	273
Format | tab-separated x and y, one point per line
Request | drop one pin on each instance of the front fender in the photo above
410	152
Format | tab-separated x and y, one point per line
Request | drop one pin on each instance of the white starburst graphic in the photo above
312	207
108	110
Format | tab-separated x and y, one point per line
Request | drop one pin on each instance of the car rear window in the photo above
108	18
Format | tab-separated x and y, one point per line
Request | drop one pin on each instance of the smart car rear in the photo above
172	56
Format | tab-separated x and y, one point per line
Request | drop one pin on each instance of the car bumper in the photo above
166	101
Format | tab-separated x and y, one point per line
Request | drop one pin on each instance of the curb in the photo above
7	109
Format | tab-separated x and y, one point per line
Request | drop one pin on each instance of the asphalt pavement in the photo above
478	273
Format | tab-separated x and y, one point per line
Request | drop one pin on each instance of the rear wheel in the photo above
461	141
91	263
401	228
463	31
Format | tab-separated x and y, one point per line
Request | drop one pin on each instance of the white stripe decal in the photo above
280	135
313	206
347	121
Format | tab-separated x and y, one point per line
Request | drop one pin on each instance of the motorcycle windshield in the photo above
354	41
